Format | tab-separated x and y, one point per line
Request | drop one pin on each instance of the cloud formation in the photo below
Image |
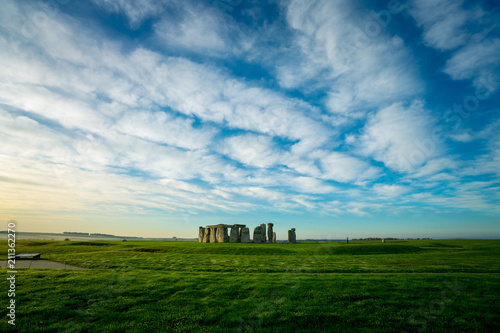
293	107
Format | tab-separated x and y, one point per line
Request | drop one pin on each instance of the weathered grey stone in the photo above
263	226
245	235
270	232
222	236
201	234
234	235
206	236
213	235
274	237
292	238
257	235
218	225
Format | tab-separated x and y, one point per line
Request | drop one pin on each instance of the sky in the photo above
339	118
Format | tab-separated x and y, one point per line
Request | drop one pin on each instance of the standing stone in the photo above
222	236
201	234
206	236
274	237
213	235
257	235
270	232
291	236
233	237
383	240
245	235
263	226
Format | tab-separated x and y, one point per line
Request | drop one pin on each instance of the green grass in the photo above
398	286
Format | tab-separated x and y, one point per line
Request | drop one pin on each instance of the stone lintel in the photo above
220	225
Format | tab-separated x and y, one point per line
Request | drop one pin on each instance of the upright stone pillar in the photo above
206	236
201	234
270	232
245	235
291	236
257	235
274	237
233	236
263	226
222	234
213	235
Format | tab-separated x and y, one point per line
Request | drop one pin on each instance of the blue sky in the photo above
338	118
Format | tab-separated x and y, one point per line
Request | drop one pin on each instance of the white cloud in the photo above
359	208
69	112
136	11
182	185
463	199
449	25
442	21
200	29
305	166
162	127
486	163
475	61
461	137
344	168
197	32
252	150
442	176
385	190
96	72
435	166
358	69
259	193
109	102
400	137
311	185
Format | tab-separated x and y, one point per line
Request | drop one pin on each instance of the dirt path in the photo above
39	264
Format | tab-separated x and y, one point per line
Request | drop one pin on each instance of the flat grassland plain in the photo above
151	286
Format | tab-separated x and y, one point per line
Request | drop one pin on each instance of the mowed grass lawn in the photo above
398	286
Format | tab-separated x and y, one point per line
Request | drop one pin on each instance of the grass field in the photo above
139	286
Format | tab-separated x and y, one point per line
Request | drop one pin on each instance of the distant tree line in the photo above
387	238
97	234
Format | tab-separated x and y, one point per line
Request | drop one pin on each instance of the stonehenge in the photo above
219	233
239	233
